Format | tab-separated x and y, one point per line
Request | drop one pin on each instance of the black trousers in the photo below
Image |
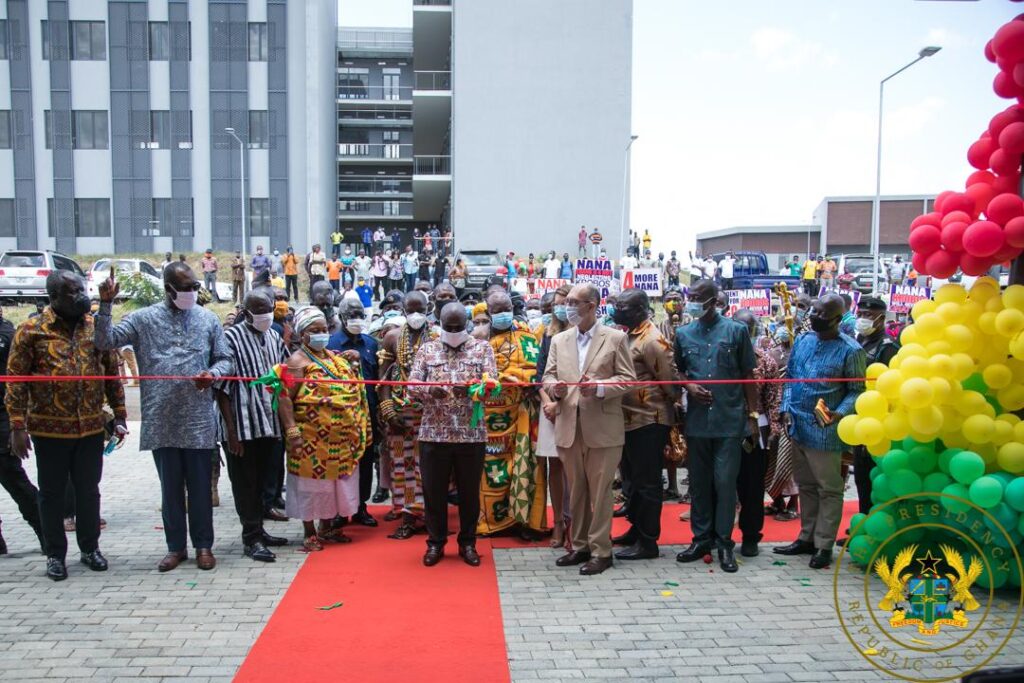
863	463
185	474
714	465
24	494
273	475
437	463
82	460
750	493
247	476
291	284
642	458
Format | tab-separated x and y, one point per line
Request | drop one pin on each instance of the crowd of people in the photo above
591	401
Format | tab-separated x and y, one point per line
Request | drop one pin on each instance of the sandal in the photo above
404	531
312	544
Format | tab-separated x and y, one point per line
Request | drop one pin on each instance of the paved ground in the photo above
759	625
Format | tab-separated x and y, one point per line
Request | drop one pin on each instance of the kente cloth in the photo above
513	488
406	483
333	418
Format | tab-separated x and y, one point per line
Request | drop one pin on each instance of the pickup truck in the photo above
751	271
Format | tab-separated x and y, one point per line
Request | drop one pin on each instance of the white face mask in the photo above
864	325
355	325
454	339
573	315
262	321
416	320
185	300
532	313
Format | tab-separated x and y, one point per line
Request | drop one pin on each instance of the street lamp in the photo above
876	205
241	185
625	186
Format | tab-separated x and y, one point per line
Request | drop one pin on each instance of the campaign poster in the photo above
597	272
647	279
854	296
535	288
903	297
758	301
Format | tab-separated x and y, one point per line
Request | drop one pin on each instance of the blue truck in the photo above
751	271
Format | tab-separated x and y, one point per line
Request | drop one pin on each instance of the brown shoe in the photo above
275	515
596	566
171	561
205	559
573	557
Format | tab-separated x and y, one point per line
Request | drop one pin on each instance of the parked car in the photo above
861	265
482	267
23	273
751	271
99	271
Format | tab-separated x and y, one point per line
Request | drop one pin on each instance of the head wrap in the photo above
306	316
479	308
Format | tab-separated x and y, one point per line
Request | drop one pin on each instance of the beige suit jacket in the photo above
608	359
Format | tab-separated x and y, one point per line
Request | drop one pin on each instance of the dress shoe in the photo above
727	560
694	552
573	557
275	515
637	551
820	559
379	496
432	556
628	538
95	561
469	556
273	541
55	569
363	517
205	559
596	566
749	549
259	552
621	511
795	548
171	561
278	503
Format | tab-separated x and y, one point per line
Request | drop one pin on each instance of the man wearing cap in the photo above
237	279
209	264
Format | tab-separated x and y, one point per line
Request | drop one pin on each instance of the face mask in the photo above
75	309
532	313
545	318
262	321
355	325
318	342
572	314
822	324
502	321
560	313
280	310
694	309
671	305
801	314
393	313
416	320
185	300
864	326
454	339
610	308
469	313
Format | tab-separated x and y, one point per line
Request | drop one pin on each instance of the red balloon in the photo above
979	177
975	265
940	200
1014	232
1004	207
990	54
1008	42
978	154
1011	114
925	239
1004	86
983	238
1003	163
919	262
1007	253
982	194
957	217
953	235
933	218
958	201
1007	183
1011	139
940	264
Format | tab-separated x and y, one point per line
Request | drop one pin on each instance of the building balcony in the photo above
358	93
376	116
432	186
350	186
432	34
433	81
358	152
361	210
432	165
375	42
432	3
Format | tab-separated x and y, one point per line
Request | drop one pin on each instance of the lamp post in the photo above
241	185
625	186
876	205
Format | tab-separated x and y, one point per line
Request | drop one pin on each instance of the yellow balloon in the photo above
1011	397
1017	368
1018	432
986	282
896	426
941	365
955	440
1017	347
941	389
846	429
939	346
916	392
987	322
963	366
1009	322
1002	432
1010	457
889	383
997	376
868	430
960	337
952	421
950	293
1013	297
995	304
875	370
929	326
907	336
1008	418
912	349
970	403
880	448
987	452
950	312
872	404
979	428
984	292
915	366
926	420
921	307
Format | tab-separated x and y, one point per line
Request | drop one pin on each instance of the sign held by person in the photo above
903	297
647	279
757	301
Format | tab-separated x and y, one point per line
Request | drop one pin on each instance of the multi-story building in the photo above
117	115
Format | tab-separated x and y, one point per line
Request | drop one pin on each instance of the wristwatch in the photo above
753	414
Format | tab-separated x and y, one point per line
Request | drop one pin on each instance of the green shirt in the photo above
794	269
720	349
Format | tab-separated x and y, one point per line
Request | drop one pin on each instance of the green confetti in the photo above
330	607
804	582
671	583
191	584
779	563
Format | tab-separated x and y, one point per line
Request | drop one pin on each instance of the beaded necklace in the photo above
407	348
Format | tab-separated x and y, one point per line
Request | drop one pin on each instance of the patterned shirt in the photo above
253	354
769	393
169	341
46	345
446	420
652	359
813	357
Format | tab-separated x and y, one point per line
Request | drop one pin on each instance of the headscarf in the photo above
479	308
306	316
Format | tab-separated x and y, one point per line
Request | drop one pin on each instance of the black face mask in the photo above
823	324
72	309
627	317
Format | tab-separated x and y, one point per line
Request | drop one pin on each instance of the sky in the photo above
750	112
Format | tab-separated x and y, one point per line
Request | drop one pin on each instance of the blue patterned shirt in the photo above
813	357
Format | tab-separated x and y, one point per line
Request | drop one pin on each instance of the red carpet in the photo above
399	620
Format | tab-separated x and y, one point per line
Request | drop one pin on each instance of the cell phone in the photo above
822	415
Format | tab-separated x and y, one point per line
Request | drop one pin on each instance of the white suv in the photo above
23	273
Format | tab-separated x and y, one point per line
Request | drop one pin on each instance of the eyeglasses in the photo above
194	287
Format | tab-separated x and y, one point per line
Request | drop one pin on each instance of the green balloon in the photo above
1004	478
880	525
855	522
946	456
975	383
922	459
1005	515
861	548
896	454
995	404
904	482
875	471
1014	494
966	466
894	461
935	482
909	443
880	489
986	492
955	506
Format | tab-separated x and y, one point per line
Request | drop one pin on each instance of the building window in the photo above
89	130
259	130
181	131
7	222
92	218
392	90
392	208
259	218
5	129
258	42
392	148
45	42
161	220
3	39
353	83
159	41
88	40
159	130
355	207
